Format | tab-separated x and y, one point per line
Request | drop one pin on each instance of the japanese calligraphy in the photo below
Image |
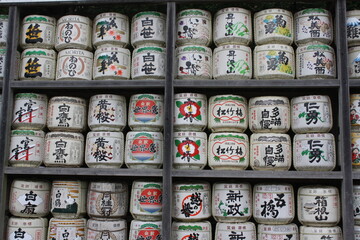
193	205
189	30
68	32
271	207
148	67
22	152
271	156
33	34
26	112
321	210
103	114
63	116
229	26
72	66
101	152
268	120
147	30
314	26
106	204
60	154
312	114
33	68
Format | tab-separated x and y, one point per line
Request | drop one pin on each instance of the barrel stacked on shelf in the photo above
353	39
273	56
74	37
3	39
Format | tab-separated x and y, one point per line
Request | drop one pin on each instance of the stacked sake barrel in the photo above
3	38
74	37
353	39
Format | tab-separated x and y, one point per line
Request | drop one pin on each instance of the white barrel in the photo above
353	27
273	203
273	25
313	24
191	230
74	64
315	60
190	150
231	202
104	149
27	148
354	62
146	112
356	204
228	151
37	64
274	61
194	27
37	31
314	152
107	112
190	111
29	198
269	114
355	112
318	205
227	113
106	229
67	228
64	149
110	28
232	25
145	230
270	232
66	114
73	31
270	151
244	231
30	111
111	63
320	233
311	113
3	60
68	198
27	228
193	62
148	28
146	200
192	201
232	62
144	149
356	232
4	23
107	200
355	150
148	62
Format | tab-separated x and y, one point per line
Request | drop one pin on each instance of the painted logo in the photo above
188	149
149	232
189	110
151	198
143	147
145	110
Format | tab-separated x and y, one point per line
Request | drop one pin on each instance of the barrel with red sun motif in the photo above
143	149
146	112
228	151
146	200
192	201
190	112
227	113
191	230
190	150
149	230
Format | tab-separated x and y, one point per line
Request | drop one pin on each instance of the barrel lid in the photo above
39	52
320	230
31	185
317	98
189	185
149	13
111	225
268	100
25	222
76	18
232	10
39	18
192	226
354	49
28	133
110	14
307	136
269	137
114	187
194	12
320	189
311	11
272	11
4	17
